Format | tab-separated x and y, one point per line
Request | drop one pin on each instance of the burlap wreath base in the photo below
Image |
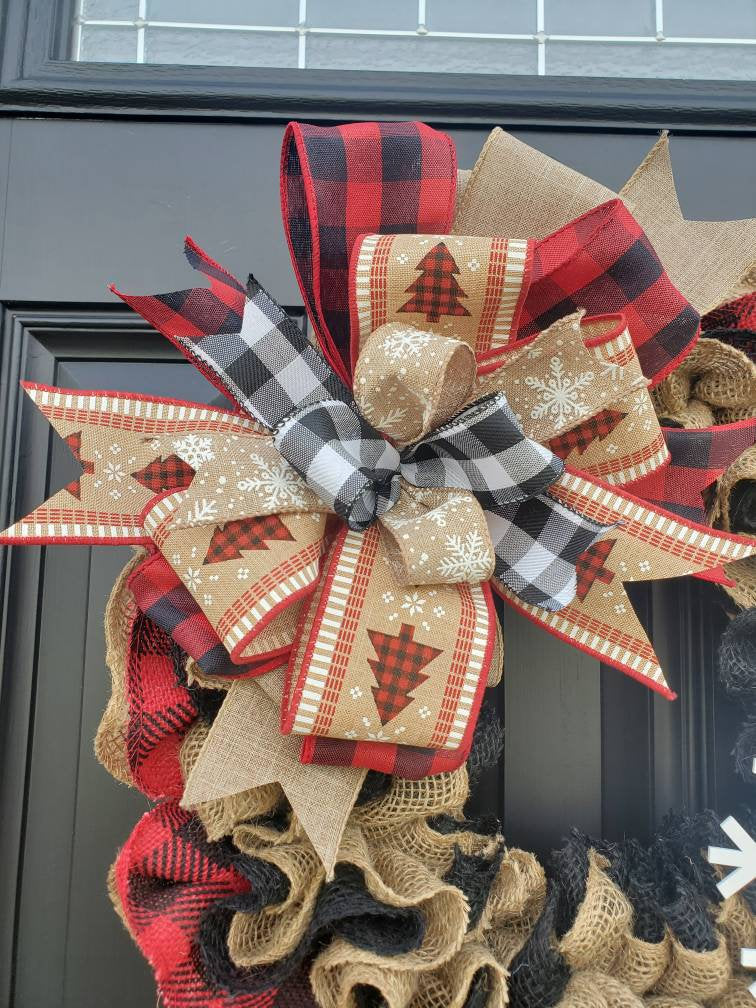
426	909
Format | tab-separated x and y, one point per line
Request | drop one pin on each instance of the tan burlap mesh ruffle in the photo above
736	995
738	925
641	964
594	989
110	740
715	376
670	1001
602	920
514	904
697	975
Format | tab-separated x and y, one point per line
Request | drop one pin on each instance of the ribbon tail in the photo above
537	543
245	749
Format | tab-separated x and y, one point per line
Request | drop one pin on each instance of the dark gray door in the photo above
89	197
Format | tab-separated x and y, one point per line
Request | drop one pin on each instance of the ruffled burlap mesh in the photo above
110	740
714	374
641	964
451	984
697	975
410	799
736	995
670	1001
593	989
738	925
602	920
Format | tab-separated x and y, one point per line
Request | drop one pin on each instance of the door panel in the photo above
86	202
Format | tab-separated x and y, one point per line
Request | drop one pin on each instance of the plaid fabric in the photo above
160	711
596	428
170	473
436	291
737	314
590	567
353	469
397	669
537	545
411	762
162	596
698	459
230	540
185	317
603	262
74	443
344	181
168	877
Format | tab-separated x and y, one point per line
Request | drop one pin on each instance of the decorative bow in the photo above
475	375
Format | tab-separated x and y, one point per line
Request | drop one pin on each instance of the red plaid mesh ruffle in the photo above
339	182
603	262
160	711
167	876
735	323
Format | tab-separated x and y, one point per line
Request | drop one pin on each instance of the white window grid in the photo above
141	23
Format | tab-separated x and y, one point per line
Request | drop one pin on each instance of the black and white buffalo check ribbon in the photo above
271	370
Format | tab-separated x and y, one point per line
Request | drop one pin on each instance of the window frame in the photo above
34	79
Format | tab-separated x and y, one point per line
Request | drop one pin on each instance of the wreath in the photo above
504	391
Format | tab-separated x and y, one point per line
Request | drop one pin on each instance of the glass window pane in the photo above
733	19
107	45
651	59
396	15
197	47
232	12
489	16
110	10
421	54
600	17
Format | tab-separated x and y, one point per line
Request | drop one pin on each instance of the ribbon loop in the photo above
350	466
483	450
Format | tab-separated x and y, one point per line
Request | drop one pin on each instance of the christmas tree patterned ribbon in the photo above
382	593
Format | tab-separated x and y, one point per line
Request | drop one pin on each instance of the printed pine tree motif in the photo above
230	540
170	473
397	669
74	443
597	428
589	567
436	291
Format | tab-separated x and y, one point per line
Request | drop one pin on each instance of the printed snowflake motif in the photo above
115	494
192	578
243	574
200	512
402	258
437	517
114	472
194	450
387	597
473	265
207	599
413	603
355	692
379	736
276	482
611	448
560	394
644	566
620	609
469	557
424	712
439	611
115	449
403	343
533	352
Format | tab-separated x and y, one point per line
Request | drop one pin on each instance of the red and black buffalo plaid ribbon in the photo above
603	262
168	878
161	595
734	323
698	459
340	182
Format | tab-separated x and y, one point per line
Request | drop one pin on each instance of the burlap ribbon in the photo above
391	628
